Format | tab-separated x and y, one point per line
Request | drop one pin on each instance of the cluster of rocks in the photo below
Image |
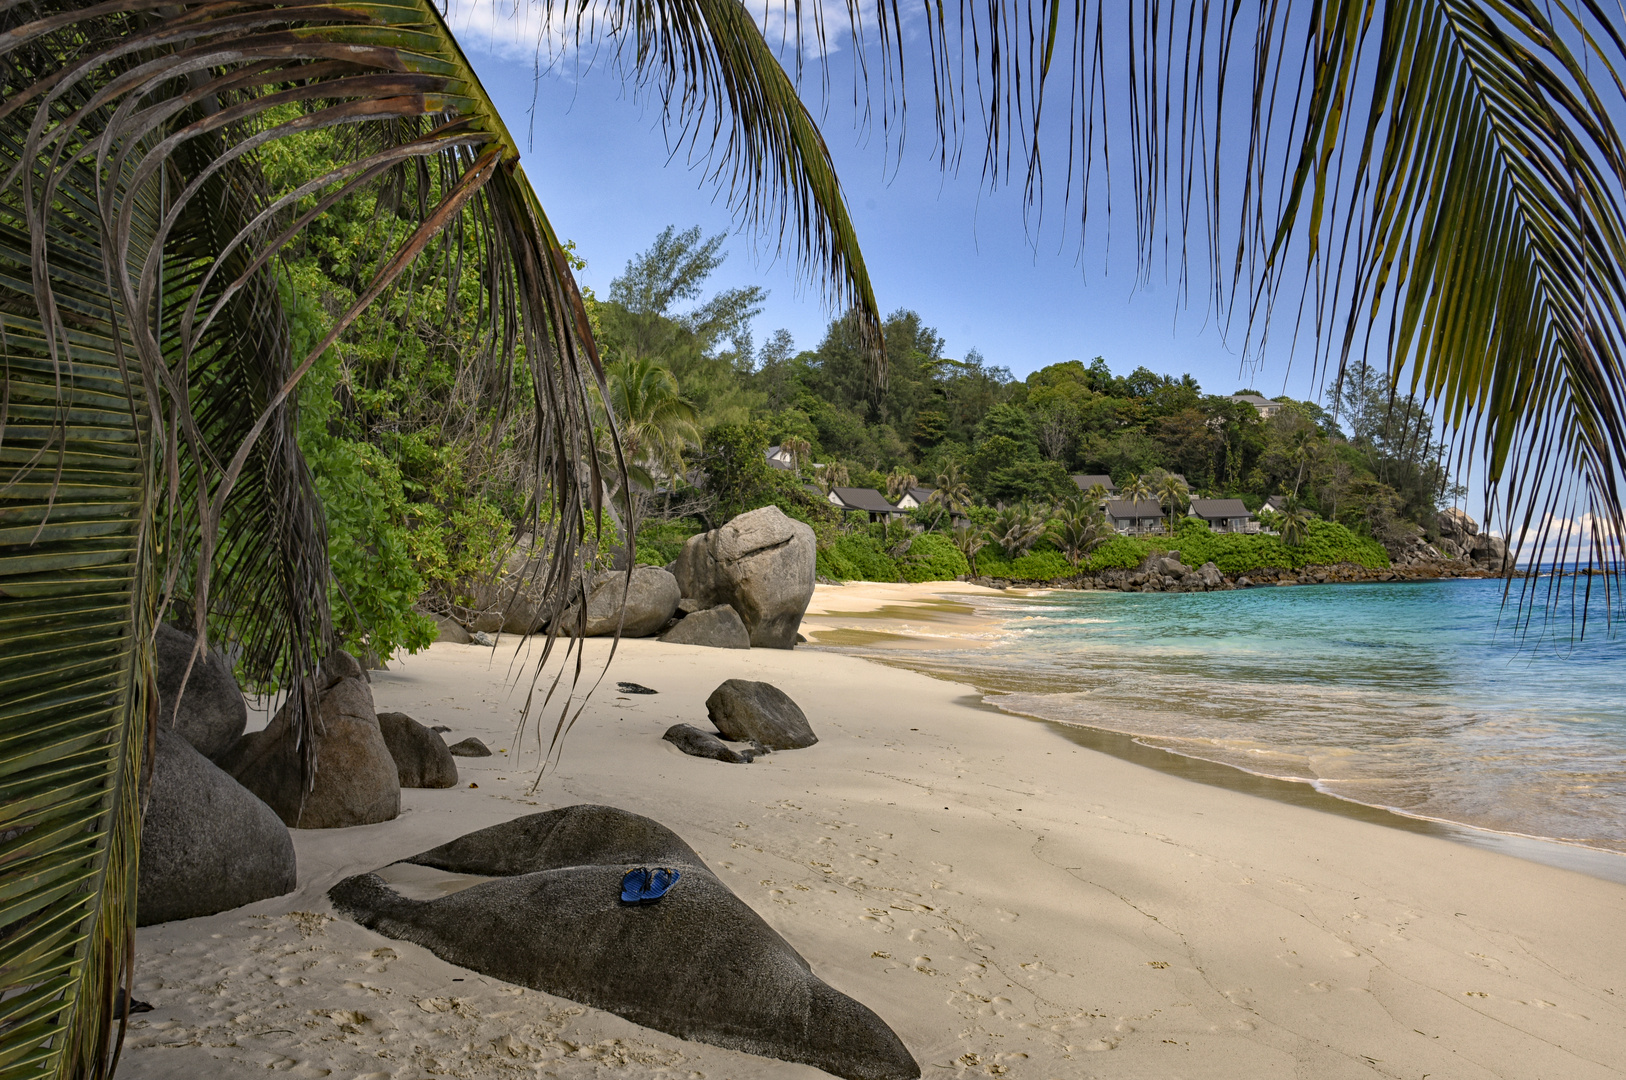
215	832
744	585
757	717
700	964
1462	540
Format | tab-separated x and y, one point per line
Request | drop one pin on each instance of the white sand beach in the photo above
1011	903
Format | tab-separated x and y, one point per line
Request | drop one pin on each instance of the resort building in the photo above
1135	516
1266	407
1222	515
865	500
915	497
1086	482
1275	504
780	458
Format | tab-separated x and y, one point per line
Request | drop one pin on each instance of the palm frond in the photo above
146	431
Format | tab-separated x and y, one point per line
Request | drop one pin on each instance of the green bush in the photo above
857	557
1118	553
1325	543
659	542
1041	564
933	557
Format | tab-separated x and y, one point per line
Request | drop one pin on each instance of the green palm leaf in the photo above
146	428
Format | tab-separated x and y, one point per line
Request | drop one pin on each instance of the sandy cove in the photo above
1011	903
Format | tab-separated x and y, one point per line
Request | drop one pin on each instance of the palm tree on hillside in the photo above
1097	494
899	483
148	429
970	540
657	425
1078	529
800	451
952	494
1016	529
1172	494
1137	489
1295	523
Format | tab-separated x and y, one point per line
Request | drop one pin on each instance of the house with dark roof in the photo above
1222	515
915	497
1276	504
780	458
1263	405
1086	481
865	500
1135	515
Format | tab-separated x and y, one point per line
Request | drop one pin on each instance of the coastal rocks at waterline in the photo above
699	964
422	758
761	564
651	598
746	711
212	714
469	747
703	744
356	779
719	628
207	843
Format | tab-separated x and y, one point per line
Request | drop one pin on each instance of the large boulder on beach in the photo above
212	712
422	759
747	711
761	564
698	964
207	843
356	779
719	628
651	598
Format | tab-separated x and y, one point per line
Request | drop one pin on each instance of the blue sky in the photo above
944	246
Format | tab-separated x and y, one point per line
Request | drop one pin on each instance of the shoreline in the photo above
1602	863
1012	903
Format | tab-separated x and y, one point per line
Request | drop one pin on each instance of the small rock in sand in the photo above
480	637
703	744
470	747
744	711
634	688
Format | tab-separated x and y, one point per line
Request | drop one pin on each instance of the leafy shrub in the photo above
659	542
1043	564
933	557
857	557
1118	553
1325	543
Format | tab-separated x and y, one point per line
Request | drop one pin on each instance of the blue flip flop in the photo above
645	886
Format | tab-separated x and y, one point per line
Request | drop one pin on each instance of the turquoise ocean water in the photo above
1430	699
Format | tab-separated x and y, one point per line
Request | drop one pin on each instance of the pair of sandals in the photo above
645	885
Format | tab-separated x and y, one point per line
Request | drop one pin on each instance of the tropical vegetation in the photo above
287	335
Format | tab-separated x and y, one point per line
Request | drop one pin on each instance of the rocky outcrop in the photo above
719	628
703	744
422	759
651	599
699	964
761	564
207	843
356	781
212	713
746	711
